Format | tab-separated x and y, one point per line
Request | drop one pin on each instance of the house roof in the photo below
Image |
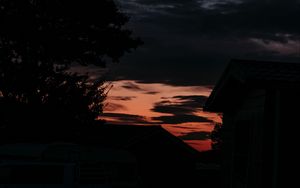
241	75
125	137
134	136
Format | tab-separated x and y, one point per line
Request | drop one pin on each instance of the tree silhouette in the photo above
217	137
39	42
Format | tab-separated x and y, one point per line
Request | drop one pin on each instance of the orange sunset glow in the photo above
175	108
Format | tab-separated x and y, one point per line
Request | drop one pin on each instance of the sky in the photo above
187	45
178	109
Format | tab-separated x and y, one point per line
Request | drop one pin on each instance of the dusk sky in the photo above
187	44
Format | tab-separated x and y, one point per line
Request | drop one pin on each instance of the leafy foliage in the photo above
217	137
40	40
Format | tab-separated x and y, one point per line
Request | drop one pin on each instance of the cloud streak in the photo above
181	118
122	98
132	86
180	104
130	119
181	108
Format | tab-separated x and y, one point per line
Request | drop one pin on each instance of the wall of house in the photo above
286	139
244	135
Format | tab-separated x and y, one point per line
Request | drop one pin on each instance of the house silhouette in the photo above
260	105
104	155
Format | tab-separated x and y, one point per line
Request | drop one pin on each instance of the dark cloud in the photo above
181	118
182	109
201	135
131	86
184	127
193	101
266	20
113	107
189	42
168	108
184	105
269	20
129	119
122	98
135	87
151	92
